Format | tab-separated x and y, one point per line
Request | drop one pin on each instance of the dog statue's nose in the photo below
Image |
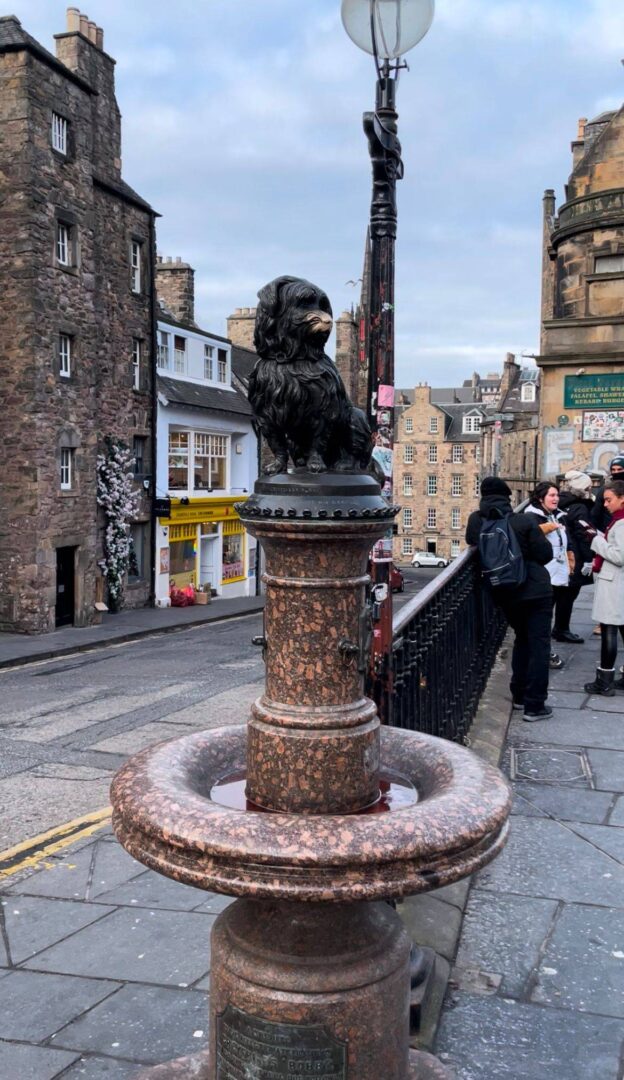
319	321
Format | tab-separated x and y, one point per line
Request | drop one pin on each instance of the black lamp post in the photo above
386	29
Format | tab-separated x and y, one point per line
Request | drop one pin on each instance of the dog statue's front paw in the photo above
278	466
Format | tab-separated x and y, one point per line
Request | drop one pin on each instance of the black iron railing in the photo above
445	643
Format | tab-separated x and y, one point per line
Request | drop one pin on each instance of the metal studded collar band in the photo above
331	496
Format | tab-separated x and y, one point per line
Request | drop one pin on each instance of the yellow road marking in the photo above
31	852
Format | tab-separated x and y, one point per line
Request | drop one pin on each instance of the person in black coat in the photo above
577	504
527	608
600	515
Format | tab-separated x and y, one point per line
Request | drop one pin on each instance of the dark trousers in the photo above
564	597
531	652
609	645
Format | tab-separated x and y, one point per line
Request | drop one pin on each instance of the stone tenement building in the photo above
510	430
582	341
437	468
76	338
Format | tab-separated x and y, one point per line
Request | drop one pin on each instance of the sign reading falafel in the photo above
247	1046
603	426
594	392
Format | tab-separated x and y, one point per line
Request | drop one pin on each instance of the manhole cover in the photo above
545	765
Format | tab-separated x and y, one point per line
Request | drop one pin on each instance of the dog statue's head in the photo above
293	320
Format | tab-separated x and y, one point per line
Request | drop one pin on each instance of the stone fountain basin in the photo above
163	815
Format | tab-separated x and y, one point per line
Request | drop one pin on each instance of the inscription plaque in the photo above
248	1047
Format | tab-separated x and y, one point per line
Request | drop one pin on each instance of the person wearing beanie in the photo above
576	504
608	607
527	607
600	514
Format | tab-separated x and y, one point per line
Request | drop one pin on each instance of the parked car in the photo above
397	581
428	558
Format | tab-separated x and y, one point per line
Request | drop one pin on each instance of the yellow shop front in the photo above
204	544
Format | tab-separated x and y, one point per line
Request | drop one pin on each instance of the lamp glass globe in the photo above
399	24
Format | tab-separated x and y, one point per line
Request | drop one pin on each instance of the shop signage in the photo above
205	510
162	508
594	392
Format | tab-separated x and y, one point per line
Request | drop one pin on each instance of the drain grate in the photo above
546	765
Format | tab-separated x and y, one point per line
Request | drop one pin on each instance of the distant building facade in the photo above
76	333
582	341
510	430
437	468
207	451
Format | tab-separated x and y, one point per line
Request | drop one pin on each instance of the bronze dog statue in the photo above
299	401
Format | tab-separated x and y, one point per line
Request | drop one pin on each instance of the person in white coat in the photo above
608	607
544	503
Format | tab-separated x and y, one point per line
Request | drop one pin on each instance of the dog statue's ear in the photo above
268	296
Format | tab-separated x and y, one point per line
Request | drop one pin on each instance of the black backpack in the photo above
502	562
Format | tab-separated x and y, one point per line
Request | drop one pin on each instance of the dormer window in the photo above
59	133
208	362
471	425
528	392
222	365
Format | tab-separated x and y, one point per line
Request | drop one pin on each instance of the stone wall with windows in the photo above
436	474
66	336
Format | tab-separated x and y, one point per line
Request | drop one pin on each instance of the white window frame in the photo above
65	355
179	365
67	468
218	448
408	484
164	350
59	133
455	548
432	517
137	355
478	453
407	517
432	485
432	454
222	365
409	425
528	392
457	455
179	451
407	545
408	455
433	425
456	486
456	518
477	486
135	266
63	243
471	425
209	362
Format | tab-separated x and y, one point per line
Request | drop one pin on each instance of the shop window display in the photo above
233	566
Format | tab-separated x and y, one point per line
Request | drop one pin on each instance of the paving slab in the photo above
34	1006
145	1023
95	868
164	947
503	936
606	839
150	890
566	804
214	903
493	1038
607	704
98	1068
583	964
543	859
432	923
33	923
21	1062
573	728
554	765
608	768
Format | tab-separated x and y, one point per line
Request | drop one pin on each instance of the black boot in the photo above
603	683
619	683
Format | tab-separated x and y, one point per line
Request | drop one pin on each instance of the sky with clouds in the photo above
242	127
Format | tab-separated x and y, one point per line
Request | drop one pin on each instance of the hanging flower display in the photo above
118	497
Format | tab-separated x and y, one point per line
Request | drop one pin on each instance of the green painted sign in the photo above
594	391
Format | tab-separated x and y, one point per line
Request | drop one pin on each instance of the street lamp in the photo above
387	29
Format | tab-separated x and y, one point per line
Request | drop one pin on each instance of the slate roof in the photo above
513	399
196	396
454	422
164	315
243	363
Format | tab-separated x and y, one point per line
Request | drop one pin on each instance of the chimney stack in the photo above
73	20
77	23
578	146
175	286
